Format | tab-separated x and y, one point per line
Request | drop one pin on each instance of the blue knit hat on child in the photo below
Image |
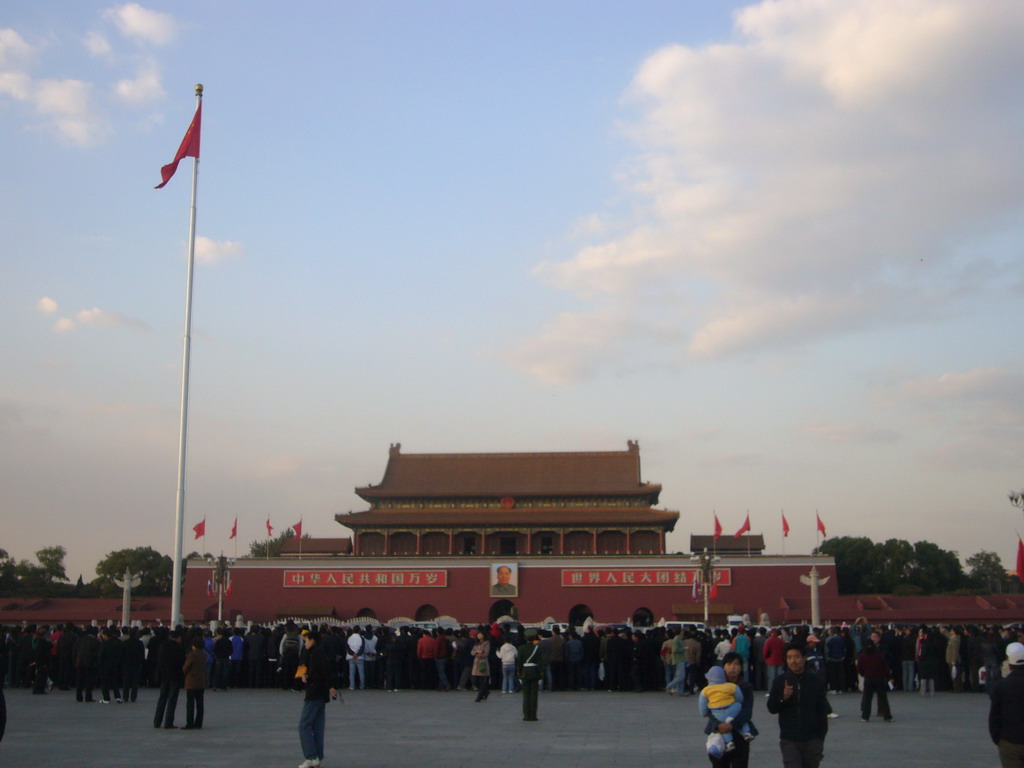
716	676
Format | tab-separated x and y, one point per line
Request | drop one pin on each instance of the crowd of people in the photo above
723	667
117	661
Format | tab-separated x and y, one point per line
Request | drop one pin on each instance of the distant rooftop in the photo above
460	475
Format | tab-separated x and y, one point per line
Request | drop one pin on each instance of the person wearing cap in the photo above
1006	713
530	664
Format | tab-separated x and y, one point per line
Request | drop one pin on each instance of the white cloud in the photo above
142	24
213	251
108	319
13	49
47	306
15	54
68	103
813	178
64	325
143	88
97	44
15	84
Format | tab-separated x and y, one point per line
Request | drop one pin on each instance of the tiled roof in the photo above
342	546
497	518
511	474
728	544
79	610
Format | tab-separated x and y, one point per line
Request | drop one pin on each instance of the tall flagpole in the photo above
179	515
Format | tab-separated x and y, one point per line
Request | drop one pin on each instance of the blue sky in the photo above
779	244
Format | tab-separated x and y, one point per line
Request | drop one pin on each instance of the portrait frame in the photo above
502	584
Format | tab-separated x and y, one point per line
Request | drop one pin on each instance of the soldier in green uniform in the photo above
530	668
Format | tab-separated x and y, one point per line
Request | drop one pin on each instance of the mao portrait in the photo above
504	580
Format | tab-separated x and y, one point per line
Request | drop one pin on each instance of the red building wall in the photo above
747	585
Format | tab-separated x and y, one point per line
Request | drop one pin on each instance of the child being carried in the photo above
720	702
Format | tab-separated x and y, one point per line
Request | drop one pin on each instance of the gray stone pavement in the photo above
428	729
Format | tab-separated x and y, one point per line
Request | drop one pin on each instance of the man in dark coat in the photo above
110	664
800	700
171	663
319	690
87	657
1006	714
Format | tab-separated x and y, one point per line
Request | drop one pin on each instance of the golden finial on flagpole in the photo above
199	89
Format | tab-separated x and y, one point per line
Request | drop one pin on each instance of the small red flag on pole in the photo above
189	148
1020	558
821	525
200	528
718	528
298	530
234	528
743	528
714	591
785	526
270	528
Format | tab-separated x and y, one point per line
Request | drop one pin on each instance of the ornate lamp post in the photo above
706	566
126	583
1017	498
221	579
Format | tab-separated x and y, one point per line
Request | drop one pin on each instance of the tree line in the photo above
862	567
898	567
47	577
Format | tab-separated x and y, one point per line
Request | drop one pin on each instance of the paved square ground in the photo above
428	730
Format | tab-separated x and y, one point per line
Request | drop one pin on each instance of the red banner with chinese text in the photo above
374	578
632	577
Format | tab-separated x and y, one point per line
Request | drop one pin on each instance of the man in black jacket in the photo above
799	698
171	664
1006	715
319	690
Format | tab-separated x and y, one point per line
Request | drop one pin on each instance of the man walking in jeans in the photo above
318	692
799	698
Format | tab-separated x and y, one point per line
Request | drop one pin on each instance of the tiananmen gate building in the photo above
530	535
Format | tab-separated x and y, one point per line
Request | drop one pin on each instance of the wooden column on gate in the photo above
629	541
419	542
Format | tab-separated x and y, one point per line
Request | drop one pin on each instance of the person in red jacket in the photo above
871	665
426	652
442	650
774	656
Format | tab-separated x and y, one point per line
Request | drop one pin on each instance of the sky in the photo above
779	244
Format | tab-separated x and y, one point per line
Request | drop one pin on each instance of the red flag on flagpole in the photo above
298	530
1020	558
189	147
230	584
743	528
270	528
785	526
209	587
234	528
714	591
200	528
821	525
718	528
